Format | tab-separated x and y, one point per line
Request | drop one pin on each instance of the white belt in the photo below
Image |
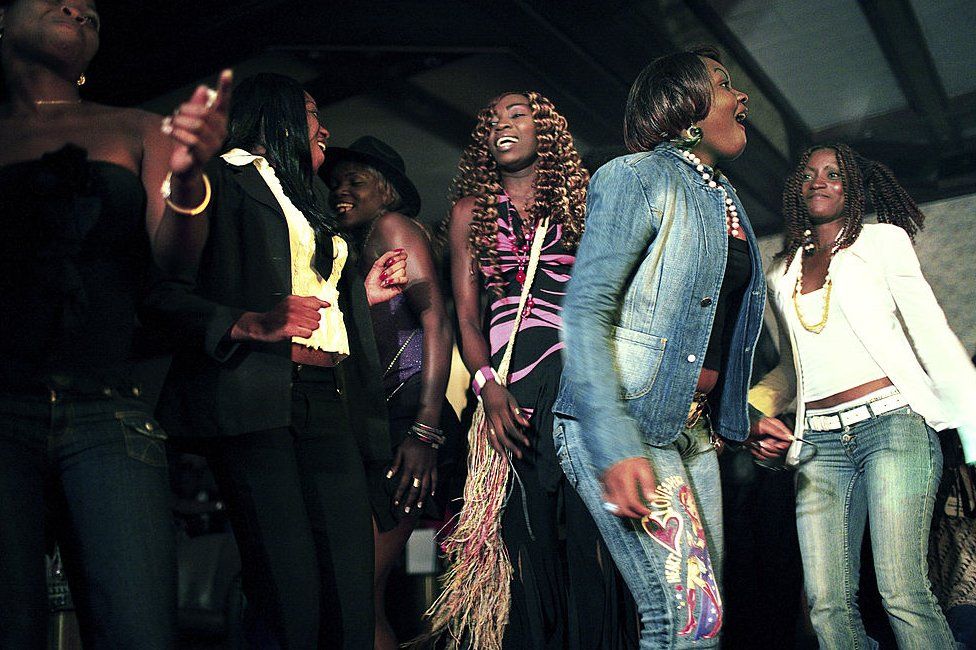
851	416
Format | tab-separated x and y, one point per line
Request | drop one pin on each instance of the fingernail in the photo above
792	437
420	504
396	503
385	283
398	250
389	474
407	509
167	126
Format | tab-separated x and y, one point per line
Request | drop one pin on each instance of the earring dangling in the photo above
81	80
809	243
286	131
689	138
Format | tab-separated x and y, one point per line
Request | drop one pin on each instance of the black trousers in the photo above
297	501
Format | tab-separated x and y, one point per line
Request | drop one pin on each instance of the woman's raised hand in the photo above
199	127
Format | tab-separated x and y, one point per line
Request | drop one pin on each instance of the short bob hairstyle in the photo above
669	95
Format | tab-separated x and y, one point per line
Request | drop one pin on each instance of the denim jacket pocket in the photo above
144	438
637	358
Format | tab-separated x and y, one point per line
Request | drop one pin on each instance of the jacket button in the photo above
706	301
692	358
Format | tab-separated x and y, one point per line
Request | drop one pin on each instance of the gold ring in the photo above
416	482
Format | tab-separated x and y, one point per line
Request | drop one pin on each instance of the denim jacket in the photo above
641	303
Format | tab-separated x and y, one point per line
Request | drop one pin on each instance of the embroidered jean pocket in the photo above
637	358
144	439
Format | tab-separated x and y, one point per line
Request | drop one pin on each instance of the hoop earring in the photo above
81	80
689	138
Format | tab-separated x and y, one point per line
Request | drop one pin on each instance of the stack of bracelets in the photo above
433	437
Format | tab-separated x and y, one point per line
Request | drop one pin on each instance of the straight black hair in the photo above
268	111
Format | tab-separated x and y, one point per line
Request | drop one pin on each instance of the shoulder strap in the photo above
537	242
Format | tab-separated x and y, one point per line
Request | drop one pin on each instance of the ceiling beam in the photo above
896	27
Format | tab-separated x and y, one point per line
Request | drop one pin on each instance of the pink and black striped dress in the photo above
536	363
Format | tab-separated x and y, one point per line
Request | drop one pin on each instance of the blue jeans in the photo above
886	469
96	466
671	559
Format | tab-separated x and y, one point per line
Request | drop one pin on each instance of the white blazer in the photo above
878	284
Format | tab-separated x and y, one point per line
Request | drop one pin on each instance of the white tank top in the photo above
833	360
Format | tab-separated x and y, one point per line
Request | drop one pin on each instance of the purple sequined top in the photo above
399	341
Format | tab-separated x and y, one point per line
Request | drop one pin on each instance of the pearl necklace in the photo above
731	213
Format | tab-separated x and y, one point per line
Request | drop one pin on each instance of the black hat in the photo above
382	157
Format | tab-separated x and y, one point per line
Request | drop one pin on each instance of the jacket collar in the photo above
673	152
243	166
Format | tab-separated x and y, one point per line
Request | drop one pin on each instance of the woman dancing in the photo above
662	316
378	205
80	215
277	384
875	369
521	186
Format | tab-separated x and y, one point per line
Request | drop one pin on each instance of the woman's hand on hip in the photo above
628	485
293	316
387	278
505	419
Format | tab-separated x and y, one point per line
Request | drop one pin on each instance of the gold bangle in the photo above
190	212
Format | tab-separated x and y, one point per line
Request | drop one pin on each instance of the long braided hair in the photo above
560	183
861	177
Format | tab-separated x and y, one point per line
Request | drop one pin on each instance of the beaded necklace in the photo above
819	326
522	239
828	284
731	213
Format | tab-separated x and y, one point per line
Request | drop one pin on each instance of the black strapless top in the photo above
74	258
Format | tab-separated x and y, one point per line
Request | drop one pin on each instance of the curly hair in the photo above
560	183
861	178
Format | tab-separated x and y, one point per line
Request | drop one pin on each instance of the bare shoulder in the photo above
130	120
395	230
464	208
393	225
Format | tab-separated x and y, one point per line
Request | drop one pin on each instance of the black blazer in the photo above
218	388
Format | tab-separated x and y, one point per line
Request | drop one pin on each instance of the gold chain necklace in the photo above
798	290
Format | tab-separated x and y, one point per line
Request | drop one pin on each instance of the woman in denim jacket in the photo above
661	319
866	351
